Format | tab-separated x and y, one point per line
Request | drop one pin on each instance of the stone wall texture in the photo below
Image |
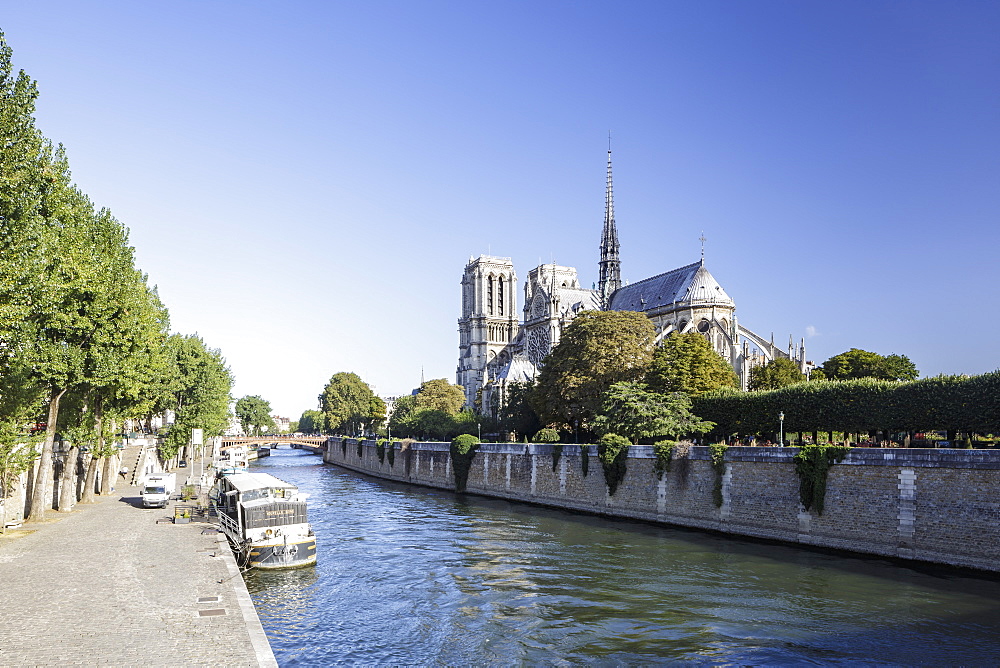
938	506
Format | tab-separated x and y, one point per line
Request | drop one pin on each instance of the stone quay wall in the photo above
939	506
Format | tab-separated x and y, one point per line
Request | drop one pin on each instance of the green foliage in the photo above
546	435
463	450
361	448
717	454
346	403
514	413
664	451
440	395
254	415
687	363
612	450
943	402
631	410
596	350
856	363
585	459
775	374
312	422
391	453
812	465
380	450
402	412
200	392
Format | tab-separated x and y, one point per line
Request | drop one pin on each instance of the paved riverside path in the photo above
108	585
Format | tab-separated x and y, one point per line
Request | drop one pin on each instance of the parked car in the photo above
182	463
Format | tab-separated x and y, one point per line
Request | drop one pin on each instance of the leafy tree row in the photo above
84	340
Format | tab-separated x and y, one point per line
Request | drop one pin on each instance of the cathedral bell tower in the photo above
489	320
610	273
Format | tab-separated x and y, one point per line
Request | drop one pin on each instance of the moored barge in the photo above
265	520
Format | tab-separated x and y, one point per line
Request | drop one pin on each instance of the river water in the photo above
414	576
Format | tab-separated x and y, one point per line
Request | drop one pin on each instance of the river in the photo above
407	575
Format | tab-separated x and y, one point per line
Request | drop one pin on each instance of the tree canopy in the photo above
346	403
632	411
200	391
596	350
312	422
687	363
857	363
254	414
775	374
439	394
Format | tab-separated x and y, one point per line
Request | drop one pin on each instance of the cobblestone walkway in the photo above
108	585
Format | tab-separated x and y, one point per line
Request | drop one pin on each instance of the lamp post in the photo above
479	428
781	428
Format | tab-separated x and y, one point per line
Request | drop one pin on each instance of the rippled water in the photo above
407	575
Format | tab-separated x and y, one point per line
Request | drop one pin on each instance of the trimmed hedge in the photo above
953	403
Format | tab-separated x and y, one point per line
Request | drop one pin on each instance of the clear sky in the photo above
305	181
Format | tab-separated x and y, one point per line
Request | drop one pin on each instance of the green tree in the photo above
201	392
439	394
311	422
857	363
515	413
776	373
597	350
400	421
630	410
687	363
254	414
346	403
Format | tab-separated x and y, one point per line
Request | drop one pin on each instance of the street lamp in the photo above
479	428
781	428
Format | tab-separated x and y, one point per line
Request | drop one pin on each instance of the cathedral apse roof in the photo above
689	284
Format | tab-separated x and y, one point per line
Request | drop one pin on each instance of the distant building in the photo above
282	424
497	348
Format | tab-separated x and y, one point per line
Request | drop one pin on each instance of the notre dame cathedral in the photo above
496	348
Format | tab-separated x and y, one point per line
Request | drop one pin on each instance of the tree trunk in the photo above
89	495
44	472
109	475
67	491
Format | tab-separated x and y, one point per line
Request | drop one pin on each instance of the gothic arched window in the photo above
500	296
489	295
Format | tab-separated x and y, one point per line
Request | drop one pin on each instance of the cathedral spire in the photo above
610	273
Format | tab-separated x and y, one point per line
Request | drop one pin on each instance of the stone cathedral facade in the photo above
497	347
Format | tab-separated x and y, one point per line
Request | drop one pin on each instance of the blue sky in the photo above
304	181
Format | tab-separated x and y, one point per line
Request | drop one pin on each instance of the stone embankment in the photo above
936	506
117	584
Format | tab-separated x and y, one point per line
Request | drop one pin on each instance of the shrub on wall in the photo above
343	447
812	465
380	450
612	450
717	452
585	459
391	453
463	450
361	448
664	451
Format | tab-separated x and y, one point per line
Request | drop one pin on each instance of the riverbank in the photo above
936	506
115	584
